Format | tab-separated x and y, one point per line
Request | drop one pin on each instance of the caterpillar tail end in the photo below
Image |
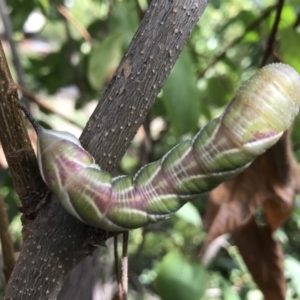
268	102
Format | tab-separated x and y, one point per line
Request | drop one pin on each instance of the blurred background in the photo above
63	54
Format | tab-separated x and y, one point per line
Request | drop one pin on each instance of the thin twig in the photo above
116	261
236	41
295	25
9	35
80	28
278	57
46	107
37	127
6	242
271	39
125	266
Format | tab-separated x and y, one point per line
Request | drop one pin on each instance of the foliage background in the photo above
67	63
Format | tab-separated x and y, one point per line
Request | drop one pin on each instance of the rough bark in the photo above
81	283
54	242
7	247
14	138
138	79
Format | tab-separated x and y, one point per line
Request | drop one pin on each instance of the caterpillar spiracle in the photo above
262	109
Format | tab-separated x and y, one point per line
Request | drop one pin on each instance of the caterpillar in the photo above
262	109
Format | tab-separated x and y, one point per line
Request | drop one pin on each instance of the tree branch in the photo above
54	242
6	241
271	39
138	79
9	33
14	138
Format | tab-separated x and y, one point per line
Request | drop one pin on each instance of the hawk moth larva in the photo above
262	109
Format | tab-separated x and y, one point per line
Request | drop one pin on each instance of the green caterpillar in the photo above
263	108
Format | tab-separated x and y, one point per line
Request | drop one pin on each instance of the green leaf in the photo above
124	17
288	16
219	90
181	96
251	37
45	6
216	3
296	133
246	17
228	292
289	41
179	279
19	12
190	214
104	59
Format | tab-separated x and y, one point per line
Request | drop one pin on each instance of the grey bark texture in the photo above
54	241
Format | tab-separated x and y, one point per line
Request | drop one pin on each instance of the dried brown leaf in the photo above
232	203
271	182
263	257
